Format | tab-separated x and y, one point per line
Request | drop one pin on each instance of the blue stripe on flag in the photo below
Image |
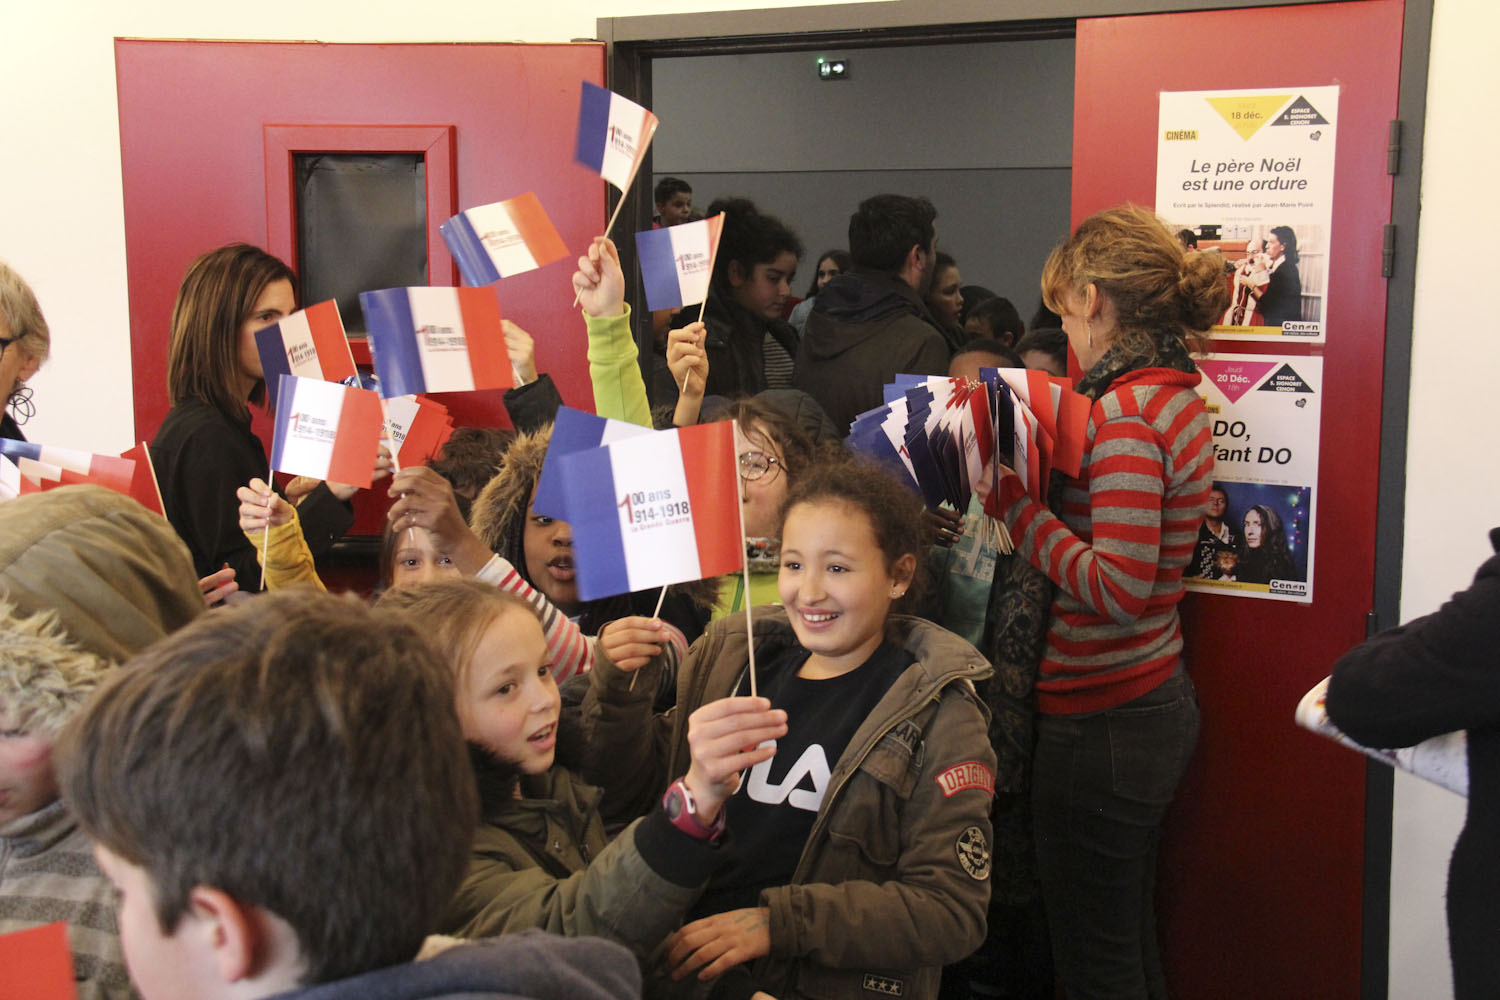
468	250
572	431
273	361
20	449
659	269
393	342
593	514
593	125
286	403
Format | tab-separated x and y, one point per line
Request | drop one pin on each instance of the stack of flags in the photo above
942	435
417	427
28	467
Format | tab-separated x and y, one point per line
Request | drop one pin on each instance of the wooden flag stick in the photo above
265	538
745	569
661	598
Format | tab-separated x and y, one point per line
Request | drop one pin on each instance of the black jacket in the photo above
201	457
736	364
863	330
1436	675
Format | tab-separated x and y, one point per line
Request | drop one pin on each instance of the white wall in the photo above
1452	479
62	227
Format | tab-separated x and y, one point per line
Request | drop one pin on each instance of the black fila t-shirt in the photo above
773	812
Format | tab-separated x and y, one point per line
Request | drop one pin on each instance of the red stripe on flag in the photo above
712	471
143	481
536	230
327	329
357	439
422	437
488	361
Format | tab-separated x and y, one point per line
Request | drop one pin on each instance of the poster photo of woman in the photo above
1255	540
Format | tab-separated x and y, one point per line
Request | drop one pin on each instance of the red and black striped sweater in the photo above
1124	531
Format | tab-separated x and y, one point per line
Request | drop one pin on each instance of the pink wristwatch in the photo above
681	811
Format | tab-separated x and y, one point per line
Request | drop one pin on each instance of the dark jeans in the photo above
1101	785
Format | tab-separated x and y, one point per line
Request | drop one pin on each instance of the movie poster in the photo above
1249	174
1257	538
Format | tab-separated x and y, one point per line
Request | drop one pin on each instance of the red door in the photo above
1261	867
200	121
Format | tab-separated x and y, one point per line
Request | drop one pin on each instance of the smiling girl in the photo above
861	850
540	857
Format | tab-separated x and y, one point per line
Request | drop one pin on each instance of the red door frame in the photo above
1261	868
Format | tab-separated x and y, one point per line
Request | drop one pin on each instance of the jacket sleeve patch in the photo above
969	774
974	853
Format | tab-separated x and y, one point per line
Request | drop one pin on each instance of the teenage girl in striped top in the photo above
1118	718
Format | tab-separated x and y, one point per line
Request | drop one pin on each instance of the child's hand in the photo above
687	359
944	526
522	351
599	281
726	737
217	586
425	500
720	942
631	643
260	504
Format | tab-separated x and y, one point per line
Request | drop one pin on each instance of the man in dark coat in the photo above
870	323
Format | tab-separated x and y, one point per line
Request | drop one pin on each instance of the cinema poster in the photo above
1248	175
1257	538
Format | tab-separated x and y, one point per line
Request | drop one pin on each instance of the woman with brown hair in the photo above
1117	714
205	450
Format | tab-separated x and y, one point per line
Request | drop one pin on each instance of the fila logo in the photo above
884	985
812	764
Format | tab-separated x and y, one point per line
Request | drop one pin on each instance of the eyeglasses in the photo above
755	465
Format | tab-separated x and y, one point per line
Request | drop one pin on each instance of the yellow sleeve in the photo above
284	557
619	389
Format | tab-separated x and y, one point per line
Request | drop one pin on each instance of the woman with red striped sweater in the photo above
1118	718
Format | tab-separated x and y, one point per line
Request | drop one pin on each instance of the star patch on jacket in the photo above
974	853
884	985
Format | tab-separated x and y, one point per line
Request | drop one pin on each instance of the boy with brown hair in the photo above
281	795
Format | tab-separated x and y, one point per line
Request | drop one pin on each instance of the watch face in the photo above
674	803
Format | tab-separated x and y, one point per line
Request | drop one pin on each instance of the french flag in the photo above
326	430
310	343
654	509
677	262
436	340
53	466
573	431
613	134
495	241
418	427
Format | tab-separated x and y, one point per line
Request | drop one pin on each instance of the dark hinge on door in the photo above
1393	148
1388	252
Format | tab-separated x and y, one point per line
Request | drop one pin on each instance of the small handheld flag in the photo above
436	340
326	430
572	431
613	134
38	964
654	509
45	466
310	343
496	241
677	262
418	427
143	484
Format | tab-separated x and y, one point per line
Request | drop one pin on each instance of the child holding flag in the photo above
540	857
861	857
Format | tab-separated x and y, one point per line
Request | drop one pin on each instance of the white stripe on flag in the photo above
308	438
10	479
501	238
67	458
690	252
297	343
622	137
400	412
656	526
441	342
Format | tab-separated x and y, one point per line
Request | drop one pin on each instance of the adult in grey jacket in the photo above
871	323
